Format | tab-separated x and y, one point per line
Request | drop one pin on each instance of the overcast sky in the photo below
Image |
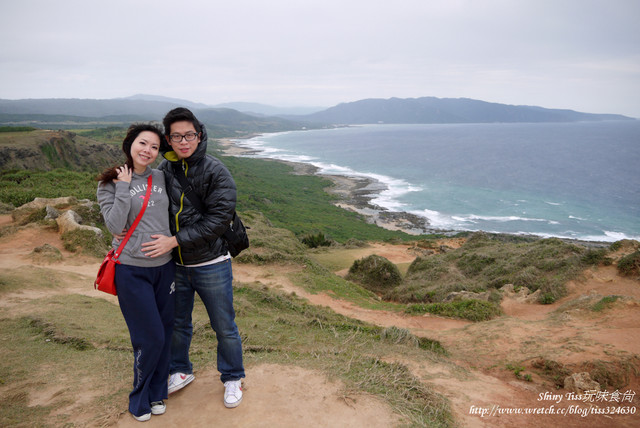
577	54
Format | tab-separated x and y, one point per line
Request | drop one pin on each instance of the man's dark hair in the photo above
180	114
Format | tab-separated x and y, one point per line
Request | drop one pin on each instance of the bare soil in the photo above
473	377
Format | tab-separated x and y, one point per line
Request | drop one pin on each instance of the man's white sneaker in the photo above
179	380
158	407
232	393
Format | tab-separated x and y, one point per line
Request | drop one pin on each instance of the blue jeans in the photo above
213	283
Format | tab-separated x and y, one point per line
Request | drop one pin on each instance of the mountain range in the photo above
445	110
240	119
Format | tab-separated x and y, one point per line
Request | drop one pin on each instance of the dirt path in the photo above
473	378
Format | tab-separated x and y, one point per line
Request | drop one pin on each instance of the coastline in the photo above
354	194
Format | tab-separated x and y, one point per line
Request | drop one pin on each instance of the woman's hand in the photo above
160	245
124	173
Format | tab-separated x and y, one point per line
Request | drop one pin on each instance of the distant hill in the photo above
176	101
69	113
444	110
269	110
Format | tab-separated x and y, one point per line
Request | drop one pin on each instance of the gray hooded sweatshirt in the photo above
120	204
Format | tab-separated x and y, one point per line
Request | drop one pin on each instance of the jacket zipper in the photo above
184	168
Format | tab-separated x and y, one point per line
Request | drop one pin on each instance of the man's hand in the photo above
120	236
160	245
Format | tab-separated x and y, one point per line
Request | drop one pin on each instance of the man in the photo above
203	262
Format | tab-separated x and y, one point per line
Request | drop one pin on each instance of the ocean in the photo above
577	180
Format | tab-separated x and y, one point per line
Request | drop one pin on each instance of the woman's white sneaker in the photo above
158	407
232	393
142	418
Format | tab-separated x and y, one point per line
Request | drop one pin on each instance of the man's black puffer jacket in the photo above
199	234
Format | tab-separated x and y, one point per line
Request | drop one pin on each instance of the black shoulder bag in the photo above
235	236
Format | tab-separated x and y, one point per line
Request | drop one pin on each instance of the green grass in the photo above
299	202
471	309
62	339
110	134
17	129
19	187
58	344
604	303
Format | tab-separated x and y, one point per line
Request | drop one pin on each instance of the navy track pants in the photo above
147	301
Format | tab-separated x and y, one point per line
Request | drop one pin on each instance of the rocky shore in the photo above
354	193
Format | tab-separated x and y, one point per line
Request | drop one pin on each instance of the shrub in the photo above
552	370
595	256
430	268
547	298
375	273
397	335
630	264
26	216
603	303
315	241
473	264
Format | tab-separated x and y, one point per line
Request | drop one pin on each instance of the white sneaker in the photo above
142	418
158	407
232	393
179	380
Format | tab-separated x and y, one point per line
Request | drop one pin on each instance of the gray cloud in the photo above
577	54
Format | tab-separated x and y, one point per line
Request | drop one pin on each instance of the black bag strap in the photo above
190	193
188	189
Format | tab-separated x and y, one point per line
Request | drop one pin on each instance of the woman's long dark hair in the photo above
134	130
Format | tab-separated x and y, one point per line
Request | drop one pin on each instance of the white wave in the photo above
503	219
618	236
572	217
552	203
438	220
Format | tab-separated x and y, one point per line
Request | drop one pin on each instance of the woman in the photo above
144	283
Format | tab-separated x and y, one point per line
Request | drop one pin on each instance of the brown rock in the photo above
580	382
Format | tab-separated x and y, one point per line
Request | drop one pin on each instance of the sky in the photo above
582	55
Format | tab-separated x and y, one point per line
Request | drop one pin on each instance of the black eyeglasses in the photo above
189	136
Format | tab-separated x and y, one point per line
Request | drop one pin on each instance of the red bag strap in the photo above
137	220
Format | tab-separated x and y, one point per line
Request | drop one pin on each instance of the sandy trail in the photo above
472	377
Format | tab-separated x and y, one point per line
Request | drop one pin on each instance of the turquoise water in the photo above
572	180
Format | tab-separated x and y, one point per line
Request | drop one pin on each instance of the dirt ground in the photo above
473	378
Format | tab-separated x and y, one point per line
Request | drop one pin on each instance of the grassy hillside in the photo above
48	150
298	202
